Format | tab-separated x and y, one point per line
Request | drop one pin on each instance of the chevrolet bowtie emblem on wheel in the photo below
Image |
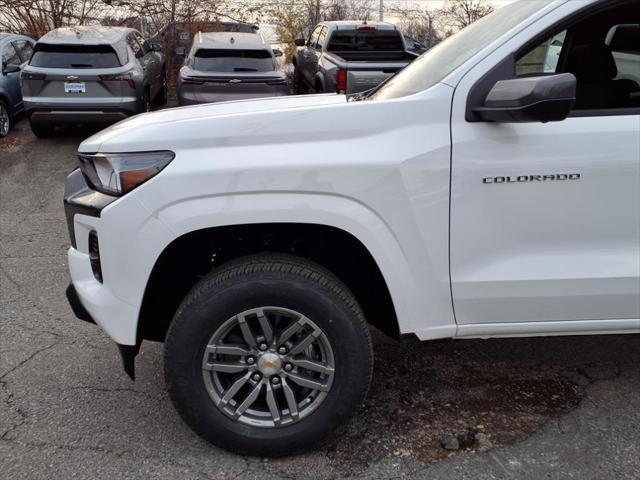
235	80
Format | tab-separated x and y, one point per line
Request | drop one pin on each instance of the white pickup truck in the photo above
490	189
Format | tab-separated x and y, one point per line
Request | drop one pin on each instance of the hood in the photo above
167	129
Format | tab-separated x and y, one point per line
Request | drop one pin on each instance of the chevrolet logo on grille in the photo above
235	80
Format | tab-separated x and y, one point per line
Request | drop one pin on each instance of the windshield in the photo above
209	60
434	65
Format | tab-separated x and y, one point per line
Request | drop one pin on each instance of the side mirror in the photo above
180	52
547	98
277	52
156	47
6	69
300	42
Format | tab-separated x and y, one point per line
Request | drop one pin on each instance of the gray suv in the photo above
15	51
84	75
223	66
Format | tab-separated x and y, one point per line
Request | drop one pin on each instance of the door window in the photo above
602	51
313	39
136	48
322	37
143	43
10	56
24	48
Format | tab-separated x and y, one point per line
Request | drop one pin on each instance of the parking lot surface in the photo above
545	408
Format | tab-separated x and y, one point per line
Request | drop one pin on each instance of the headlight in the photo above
119	173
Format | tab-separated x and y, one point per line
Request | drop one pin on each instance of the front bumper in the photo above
90	299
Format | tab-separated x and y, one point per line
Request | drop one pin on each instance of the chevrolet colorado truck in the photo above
488	190
349	57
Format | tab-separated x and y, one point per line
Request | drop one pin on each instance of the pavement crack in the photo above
28	359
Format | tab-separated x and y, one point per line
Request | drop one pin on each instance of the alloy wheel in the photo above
4	121
268	367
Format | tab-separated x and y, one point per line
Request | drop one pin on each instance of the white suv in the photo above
475	194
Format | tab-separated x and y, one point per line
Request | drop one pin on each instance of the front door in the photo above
545	218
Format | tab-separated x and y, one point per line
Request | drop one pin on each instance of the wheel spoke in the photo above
304	343
307	382
247	334
233	389
251	397
273	404
291	330
291	399
228	349
225	367
312	365
266	327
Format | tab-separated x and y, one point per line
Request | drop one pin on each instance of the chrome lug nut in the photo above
263	346
282	350
256	376
275	380
251	360
288	367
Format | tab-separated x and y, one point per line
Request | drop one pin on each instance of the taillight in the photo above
32	76
120	77
341	81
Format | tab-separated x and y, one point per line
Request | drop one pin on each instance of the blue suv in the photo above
15	51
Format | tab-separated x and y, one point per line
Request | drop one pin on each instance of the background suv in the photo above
15	51
230	66
91	75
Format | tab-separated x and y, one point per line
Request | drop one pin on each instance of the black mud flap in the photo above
128	354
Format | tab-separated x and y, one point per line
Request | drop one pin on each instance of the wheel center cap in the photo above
269	364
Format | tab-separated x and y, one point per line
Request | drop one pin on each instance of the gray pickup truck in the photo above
349	56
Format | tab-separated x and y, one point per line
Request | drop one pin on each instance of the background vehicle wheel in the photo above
5	120
163	94
268	355
42	131
298	81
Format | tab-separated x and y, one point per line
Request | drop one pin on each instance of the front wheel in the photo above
268	355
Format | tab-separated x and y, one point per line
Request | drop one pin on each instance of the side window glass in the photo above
135	46
322	37
24	48
313	40
543	58
10	56
624	42
143	43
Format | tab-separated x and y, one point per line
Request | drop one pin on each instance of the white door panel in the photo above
525	248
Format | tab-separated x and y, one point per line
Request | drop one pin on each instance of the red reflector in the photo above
341	81
122	77
32	76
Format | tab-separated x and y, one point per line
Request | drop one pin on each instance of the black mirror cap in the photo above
546	98
300	42
10	68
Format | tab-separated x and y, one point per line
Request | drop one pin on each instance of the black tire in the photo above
163	94
282	281
5	120
300	84
42	131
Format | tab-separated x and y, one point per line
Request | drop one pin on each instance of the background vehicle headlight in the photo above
119	173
